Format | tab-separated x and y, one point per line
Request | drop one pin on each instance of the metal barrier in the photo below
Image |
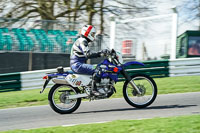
156	69
33	79
10	82
184	67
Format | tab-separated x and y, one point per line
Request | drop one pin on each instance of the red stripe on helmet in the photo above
88	30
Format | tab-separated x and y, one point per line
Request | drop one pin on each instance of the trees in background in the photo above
191	11
70	10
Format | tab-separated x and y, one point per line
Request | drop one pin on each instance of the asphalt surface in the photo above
99	111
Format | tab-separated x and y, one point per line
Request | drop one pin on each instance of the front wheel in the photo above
147	87
58	99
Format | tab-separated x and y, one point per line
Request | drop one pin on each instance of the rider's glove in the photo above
104	52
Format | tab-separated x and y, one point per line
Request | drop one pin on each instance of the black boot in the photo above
95	79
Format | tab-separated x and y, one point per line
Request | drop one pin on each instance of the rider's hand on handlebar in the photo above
105	52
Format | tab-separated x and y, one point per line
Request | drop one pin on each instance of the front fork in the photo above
125	74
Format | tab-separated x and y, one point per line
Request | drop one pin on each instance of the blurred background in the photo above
39	34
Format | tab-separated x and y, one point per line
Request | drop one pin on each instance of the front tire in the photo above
58	99
146	85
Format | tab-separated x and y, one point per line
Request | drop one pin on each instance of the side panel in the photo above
77	80
133	62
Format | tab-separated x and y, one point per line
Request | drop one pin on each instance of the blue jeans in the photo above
83	68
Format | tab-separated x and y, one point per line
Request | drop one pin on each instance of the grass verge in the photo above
165	86
181	124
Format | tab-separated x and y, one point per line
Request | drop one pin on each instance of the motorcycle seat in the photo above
72	72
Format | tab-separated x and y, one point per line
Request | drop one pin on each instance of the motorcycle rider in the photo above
80	52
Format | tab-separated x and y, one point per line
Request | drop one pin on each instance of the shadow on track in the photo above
148	108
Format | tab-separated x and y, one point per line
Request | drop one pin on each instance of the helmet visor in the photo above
93	34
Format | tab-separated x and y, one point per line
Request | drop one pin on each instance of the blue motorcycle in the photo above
70	88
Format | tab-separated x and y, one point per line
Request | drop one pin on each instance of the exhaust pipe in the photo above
77	96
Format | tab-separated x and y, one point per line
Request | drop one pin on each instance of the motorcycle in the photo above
139	90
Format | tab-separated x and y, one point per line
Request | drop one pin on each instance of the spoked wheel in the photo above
147	87
58	99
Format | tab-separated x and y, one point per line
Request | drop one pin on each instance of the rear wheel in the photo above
147	87
58	99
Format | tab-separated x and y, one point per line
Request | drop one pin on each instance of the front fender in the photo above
133	62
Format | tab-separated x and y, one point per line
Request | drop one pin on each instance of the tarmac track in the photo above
99	111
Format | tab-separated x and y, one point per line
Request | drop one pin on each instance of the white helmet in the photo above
89	31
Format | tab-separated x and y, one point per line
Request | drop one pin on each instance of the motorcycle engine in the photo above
104	86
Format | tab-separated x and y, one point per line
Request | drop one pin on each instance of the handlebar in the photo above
110	53
113	56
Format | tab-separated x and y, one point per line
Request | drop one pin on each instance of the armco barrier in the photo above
33	79
10	82
155	69
184	67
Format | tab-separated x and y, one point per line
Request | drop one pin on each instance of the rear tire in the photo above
59	102
146	85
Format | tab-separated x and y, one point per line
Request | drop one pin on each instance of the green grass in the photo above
23	98
181	124
33	97
178	84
